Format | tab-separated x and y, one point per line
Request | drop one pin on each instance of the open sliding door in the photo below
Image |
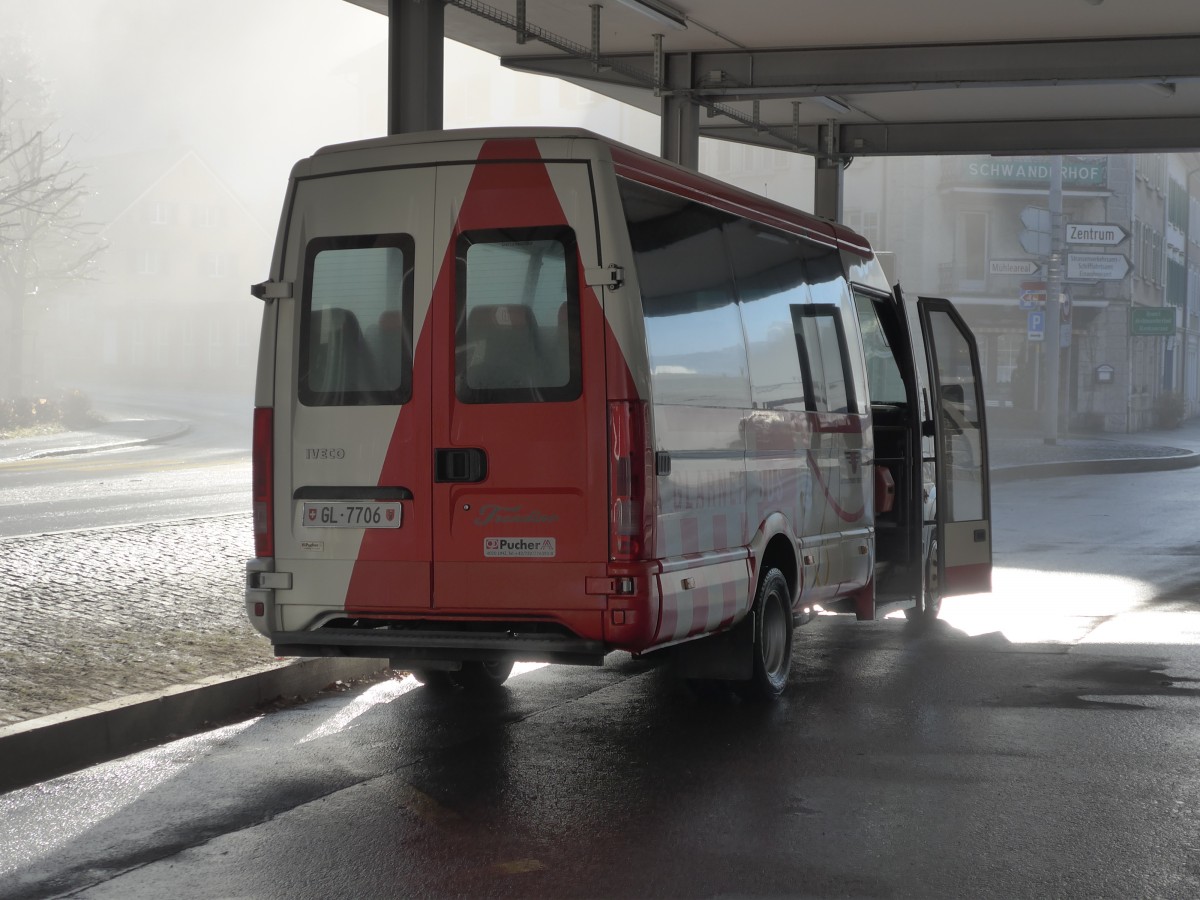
964	528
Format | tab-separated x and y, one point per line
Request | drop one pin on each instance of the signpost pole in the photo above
1051	345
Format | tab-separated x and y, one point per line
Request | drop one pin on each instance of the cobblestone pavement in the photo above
90	616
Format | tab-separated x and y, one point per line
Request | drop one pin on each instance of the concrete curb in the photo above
49	746
1003	474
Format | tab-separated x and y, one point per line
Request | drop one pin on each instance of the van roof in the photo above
630	163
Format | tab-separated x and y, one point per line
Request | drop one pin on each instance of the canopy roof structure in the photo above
872	77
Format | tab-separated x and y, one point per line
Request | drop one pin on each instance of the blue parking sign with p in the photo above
1036	326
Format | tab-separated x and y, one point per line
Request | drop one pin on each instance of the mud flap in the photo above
864	602
728	656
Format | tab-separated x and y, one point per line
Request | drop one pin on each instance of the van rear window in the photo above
356	321
517	332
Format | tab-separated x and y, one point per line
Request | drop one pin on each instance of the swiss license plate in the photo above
351	514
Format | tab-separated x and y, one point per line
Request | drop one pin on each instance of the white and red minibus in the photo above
531	394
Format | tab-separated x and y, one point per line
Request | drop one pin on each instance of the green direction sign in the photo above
1159	320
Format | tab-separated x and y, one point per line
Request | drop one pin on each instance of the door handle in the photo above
463	465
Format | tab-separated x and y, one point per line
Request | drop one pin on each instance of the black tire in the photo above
482	676
772	638
930	604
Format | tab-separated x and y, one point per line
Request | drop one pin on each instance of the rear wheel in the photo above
772	638
482	676
473	676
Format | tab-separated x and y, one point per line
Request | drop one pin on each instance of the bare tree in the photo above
44	241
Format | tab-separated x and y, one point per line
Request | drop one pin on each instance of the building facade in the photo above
976	229
169	306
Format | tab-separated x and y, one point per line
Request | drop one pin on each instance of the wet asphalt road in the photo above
902	764
1041	742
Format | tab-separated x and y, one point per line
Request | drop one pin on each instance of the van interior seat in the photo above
339	360
388	340
556	348
505	351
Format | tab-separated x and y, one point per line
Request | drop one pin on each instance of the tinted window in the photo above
884	381
517	337
356	321
771	274
958	408
821	344
693	330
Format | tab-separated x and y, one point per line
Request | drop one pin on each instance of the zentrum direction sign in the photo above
1104	234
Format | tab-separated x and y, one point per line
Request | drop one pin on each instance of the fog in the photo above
176	125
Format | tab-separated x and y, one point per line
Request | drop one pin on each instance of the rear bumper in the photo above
410	646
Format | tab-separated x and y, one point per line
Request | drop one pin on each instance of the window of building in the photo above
970	249
1008	356
207	216
1156	268
214	345
160	213
215	265
148	262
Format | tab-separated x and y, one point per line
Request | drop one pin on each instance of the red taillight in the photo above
630	478
263	482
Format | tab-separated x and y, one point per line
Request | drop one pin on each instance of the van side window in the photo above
517	314
356	321
693	330
884	381
770	271
821	346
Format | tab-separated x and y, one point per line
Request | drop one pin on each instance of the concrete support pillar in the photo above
680	117
415	32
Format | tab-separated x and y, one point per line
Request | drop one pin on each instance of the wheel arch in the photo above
774	547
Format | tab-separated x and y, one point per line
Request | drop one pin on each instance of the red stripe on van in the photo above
503	168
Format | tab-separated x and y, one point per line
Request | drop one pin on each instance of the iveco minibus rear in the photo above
535	395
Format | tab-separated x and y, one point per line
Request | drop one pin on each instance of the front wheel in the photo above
772	638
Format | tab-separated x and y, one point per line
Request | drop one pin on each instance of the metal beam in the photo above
766	74
679	120
415	32
1034	136
1040	136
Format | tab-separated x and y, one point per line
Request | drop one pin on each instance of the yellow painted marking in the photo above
519	866
426	808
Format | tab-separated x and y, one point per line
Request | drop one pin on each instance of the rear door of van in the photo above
520	469
353	505
444	449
